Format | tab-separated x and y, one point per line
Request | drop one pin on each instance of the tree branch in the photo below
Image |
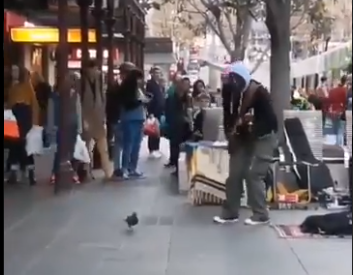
300	21
261	59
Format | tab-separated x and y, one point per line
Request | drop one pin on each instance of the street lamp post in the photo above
127	34
141	29
63	174
84	9
84	12
110	23
98	14
134	40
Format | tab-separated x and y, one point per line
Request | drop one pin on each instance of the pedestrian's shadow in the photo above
170	184
130	232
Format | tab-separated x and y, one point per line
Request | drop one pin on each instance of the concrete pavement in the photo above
83	232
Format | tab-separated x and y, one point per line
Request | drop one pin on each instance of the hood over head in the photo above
241	74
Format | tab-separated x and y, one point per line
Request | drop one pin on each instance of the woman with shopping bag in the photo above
72	81
23	103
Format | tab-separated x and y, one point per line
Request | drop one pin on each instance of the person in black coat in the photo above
155	107
180	107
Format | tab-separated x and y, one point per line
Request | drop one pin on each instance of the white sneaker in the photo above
156	154
256	221
224	220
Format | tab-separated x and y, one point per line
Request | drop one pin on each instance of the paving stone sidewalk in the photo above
83	233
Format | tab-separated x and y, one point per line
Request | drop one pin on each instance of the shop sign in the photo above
48	35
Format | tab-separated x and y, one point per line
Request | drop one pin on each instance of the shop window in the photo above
36	60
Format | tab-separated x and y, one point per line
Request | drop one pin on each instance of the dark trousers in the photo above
174	152
153	143
249	161
110	139
18	154
131	144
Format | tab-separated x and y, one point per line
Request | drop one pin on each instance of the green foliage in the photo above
223	17
320	20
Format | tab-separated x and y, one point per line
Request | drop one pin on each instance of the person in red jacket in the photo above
336	106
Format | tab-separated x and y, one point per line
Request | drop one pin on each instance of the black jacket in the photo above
113	105
128	94
43	93
265	120
156	105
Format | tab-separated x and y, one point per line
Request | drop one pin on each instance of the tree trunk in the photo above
278	23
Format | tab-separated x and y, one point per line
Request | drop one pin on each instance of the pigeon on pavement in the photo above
132	220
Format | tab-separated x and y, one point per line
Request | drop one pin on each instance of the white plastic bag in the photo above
9	116
34	141
81	152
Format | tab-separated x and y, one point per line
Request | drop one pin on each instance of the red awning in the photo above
12	19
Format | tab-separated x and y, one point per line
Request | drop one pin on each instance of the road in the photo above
83	233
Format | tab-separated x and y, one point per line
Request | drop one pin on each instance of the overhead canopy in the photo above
335	58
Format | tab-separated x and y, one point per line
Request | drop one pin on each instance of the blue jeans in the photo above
338	128
131	143
117	146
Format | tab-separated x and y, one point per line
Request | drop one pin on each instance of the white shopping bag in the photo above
9	116
34	141
81	152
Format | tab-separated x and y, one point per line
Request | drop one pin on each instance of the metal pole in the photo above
63	174
110	22
127	27
142	49
84	8
98	16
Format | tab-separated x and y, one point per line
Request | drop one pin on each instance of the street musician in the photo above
250	125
